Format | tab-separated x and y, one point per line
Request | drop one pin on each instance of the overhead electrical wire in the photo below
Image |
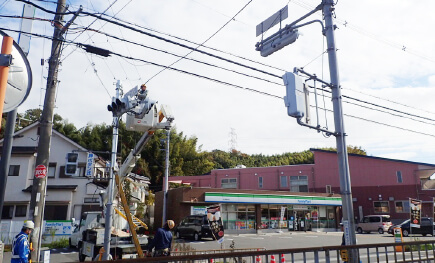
200	45
195	43
226	83
191	59
380	106
229	84
160	38
391	101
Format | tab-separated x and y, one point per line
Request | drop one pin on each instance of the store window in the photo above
399	177
381	206
229	216
271	216
283	181
299	183
229	183
240	217
245	217
402	206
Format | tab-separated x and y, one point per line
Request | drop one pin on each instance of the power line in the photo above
195	43
159	38
394	102
382	107
202	42
191	59
222	82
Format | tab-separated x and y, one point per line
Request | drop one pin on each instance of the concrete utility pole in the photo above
39	188
166	179
343	162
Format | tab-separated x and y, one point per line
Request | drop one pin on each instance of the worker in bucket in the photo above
162	240
20	244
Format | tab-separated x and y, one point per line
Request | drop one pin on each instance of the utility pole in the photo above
39	187
343	161
297	108
166	179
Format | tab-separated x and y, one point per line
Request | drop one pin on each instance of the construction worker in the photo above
20	244
142	94
162	241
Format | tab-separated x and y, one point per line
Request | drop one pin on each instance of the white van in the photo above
379	223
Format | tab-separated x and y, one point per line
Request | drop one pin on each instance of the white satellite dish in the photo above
19	79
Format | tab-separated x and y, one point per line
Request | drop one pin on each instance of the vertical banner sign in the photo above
215	222
415	207
89	164
281	218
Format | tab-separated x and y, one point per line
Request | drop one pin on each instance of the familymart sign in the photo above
272	199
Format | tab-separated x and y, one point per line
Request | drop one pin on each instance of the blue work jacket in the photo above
20	248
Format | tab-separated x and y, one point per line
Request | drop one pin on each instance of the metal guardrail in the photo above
415	251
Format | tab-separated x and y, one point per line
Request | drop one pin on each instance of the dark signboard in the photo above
415	207
215	221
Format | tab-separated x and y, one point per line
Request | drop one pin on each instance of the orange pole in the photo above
4	70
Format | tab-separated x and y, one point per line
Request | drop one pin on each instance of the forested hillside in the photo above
186	156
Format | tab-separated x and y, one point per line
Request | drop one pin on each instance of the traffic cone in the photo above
282	258
258	258
272	259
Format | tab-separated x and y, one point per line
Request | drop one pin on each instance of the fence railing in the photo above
415	251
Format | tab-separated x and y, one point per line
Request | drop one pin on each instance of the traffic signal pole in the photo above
166	178
109	206
343	161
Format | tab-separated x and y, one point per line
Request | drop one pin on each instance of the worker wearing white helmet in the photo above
20	244
162	241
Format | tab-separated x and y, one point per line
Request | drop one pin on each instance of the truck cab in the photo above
88	220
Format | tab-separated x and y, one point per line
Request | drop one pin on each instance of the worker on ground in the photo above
20	244
162	240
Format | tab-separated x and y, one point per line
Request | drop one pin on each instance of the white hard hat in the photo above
170	223
29	224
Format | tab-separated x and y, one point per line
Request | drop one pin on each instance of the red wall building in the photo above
379	185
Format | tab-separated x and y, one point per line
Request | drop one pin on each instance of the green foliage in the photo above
61	243
350	149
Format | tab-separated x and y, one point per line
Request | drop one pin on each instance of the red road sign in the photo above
40	171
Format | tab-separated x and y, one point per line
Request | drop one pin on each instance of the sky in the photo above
385	61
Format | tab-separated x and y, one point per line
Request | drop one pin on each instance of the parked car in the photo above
379	223
426	227
195	226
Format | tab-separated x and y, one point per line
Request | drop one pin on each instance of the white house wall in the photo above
60	146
